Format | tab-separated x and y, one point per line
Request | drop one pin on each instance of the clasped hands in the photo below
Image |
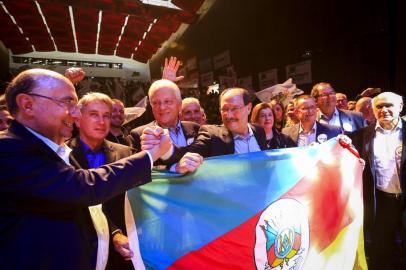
155	137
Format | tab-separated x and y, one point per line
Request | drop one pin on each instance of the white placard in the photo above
222	60
301	73
268	78
207	78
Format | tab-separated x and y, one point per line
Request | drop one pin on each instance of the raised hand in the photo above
171	68
75	75
189	163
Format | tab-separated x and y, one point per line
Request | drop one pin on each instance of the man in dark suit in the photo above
166	103
91	150
383	147
308	131
42	197
235	136
326	100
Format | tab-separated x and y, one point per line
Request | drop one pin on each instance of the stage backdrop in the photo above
298	208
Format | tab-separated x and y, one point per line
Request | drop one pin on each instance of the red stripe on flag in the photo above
234	250
327	202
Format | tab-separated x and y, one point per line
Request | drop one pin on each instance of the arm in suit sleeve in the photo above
135	140
31	179
201	145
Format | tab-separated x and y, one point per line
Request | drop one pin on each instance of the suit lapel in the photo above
227	139
294	133
77	155
261	138
369	147
109	152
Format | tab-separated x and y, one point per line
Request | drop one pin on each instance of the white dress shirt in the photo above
387	156
246	144
306	138
334	120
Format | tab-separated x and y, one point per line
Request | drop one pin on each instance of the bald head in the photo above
44	101
191	110
30	80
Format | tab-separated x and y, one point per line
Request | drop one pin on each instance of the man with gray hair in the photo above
166	102
41	194
382	146
191	110
91	149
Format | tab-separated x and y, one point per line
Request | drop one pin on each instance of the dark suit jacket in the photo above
350	120
113	208
330	131
363	140
213	140
42	200
190	130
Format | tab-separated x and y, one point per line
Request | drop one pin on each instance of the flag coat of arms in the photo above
297	208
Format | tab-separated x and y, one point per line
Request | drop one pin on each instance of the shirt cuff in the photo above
173	168
150	158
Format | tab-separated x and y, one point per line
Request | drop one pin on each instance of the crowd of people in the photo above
63	198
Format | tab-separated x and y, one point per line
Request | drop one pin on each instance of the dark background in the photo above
352	44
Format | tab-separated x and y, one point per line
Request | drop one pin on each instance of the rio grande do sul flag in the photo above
298	208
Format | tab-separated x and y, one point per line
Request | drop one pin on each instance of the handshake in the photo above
157	142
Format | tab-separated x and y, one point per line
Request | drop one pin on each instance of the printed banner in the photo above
297	208
268	78
301	72
221	60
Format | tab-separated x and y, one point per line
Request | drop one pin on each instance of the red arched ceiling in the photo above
126	28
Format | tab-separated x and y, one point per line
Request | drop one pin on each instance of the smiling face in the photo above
53	120
94	125
117	115
166	105
191	111
5	119
306	110
326	99
265	118
234	112
387	107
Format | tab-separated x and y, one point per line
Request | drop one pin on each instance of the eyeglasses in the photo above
326	95
232	109
307	109
71	105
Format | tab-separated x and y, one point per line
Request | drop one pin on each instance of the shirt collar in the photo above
62	151
335	114
397	127
249	135
312	131
87	149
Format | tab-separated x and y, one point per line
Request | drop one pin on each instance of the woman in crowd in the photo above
263	115
279	114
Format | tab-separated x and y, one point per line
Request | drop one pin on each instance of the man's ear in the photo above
249	107
25	104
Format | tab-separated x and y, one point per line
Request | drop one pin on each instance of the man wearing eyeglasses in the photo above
308	131
41	195
326	100
234	136
166	102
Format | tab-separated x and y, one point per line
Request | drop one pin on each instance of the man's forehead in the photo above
306	101
325	88
163	90
232	97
